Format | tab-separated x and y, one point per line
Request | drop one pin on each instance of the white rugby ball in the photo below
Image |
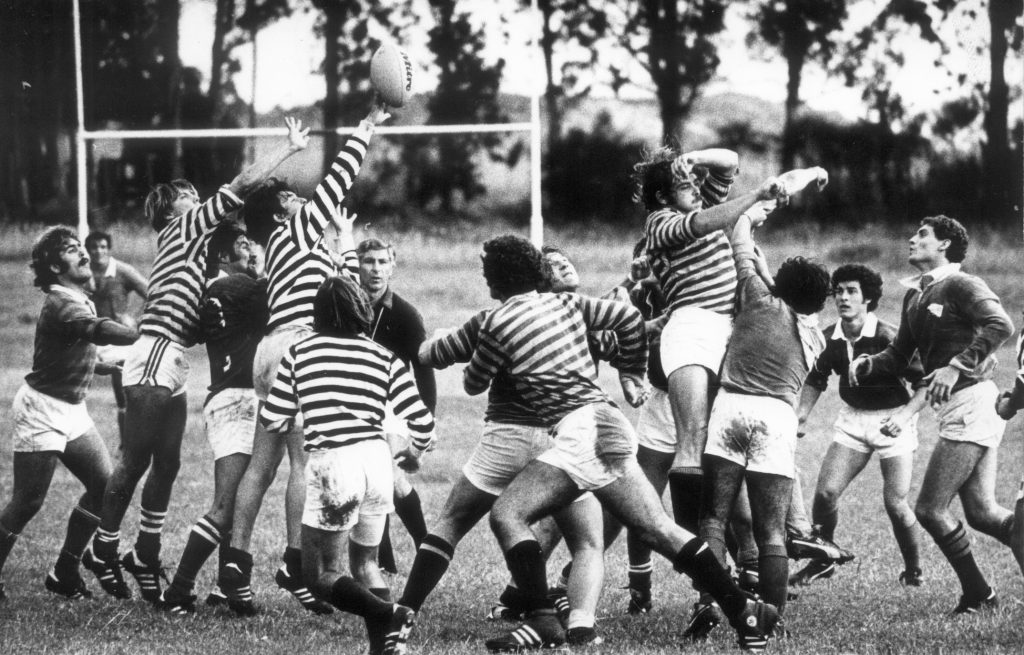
391	74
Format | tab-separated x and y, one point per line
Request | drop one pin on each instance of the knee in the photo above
20	511
927	515
896	504
133	465
167	465
826	498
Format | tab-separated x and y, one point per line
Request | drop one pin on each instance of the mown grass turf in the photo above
861	609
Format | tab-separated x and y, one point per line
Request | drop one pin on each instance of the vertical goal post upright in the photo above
83	136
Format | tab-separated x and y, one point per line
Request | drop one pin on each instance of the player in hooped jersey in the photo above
299	258
155	371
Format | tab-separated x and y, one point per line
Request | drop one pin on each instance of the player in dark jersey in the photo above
51	422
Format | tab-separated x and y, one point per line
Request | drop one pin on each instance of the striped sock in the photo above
640	575
203	539
106	543
956	546
432	560
147	544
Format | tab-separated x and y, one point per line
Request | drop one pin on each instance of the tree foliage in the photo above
440	167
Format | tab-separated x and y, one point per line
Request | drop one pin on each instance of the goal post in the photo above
84	136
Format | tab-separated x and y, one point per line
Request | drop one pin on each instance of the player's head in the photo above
857	290
229	250
341	308
271	203
58	257
560	274
99	244
376	266
512	265
802	284
169	199
936	237
663	179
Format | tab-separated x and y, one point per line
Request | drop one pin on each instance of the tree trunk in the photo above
790	139
998	197
547	42
334	18
223	22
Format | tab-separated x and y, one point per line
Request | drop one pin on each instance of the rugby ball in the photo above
391	74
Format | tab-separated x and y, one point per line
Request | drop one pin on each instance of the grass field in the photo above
861	609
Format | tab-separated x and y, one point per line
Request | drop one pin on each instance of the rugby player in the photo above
156	370
299	257
955	323
340	382
51	421
879	416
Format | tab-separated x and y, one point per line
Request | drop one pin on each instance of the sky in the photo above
289	53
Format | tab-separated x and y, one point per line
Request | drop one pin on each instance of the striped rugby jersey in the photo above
297	260
504	403
693	271
177	280
541	341
342	386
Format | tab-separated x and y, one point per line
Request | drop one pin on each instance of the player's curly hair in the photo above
952	229
656	174
160	198
870	282
261	207
512	265
46	253
802	284
222	241
341	308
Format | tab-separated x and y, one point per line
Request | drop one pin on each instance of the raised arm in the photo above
254	175
725	215
718	160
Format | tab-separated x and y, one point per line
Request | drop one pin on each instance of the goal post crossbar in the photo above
96	135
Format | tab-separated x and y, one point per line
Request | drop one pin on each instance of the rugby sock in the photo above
433	558
292	558
106	543
382	592
640	575
410	510
748	558
352	597
385	552
81	526
147	544
684	488
235	559
956	546
696	560
526	564
774	575
203	539
713	533
7	539
908	539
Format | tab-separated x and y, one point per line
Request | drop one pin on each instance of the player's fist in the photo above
634	390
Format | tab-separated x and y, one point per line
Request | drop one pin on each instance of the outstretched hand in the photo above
634	390
298	138
773	189
379	112
343	222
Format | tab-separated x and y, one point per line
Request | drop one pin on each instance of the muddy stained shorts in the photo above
350	488
756	432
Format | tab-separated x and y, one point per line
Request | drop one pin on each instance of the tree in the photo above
673	40
800	30
347	50
467	92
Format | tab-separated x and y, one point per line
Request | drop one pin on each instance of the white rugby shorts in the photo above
503	451
756	432
592	445
350	488
230	417
860	431
269	354
970	415
695	336
655	427
156	361
43	423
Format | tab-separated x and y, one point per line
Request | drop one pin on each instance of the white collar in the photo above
937	273
111	268
73	293
869	329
